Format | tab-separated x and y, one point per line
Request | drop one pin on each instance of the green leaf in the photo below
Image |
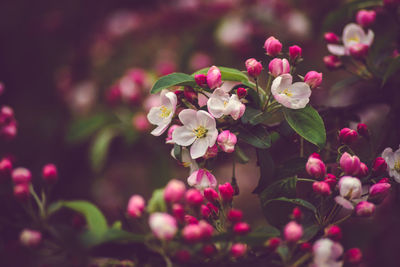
260	235
240	155
100	146
284	187
178	152
294	201
291	167
310	232
173	79
256	136
394	66
254	116
228	74
157	202
267	169
307	123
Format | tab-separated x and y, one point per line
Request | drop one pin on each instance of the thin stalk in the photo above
301	147
268	88
342	220
301	260
306	180
38	202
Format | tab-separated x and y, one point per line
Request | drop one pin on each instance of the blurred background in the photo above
78	76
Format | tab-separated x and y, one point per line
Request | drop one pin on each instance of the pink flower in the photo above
49	173
272	46
192	233
21	191
322	188
241	92
211	195
201	80
171	129
211	152
327	253
174	191
136	206
365	18
331	38
163	225
362	129
227	141
347	136
5	168
332	62
235	215
226	191
194	198
294	52
313	79
359	51
162	115
365	209
253	67
378	192
379	166
241	228
202	179
293	232
350	187
350	164
238	250
353	255
315	167
333	232
214	77
279	66
21	176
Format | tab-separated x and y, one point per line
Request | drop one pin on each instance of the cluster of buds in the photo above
8	124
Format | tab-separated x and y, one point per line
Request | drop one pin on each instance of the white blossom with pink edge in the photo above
352	34
163	225
162	115
294	96
350	190
327	253
393	162
220	104
199	130
202	179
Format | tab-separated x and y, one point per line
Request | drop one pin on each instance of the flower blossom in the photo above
350	190
353	34
326	253
187	161
393	162
220	103
162	115
199	130
294	96
202	179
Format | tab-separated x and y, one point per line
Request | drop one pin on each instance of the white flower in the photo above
352	34
326	253
294	96
202	179
220	103
187	161
162	115
199	130
350	190
393	162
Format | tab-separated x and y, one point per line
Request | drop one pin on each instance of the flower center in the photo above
286	92
354	38
164	112
397	166
225	103
200	132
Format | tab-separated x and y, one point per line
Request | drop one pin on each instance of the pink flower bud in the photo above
293	232
315	167
241	228
205	211
279	66
273	243
272	46
21	191
206	230
365	209
192	233
171	129
379	166
378	192
306	247
201	80
214	77
211	195
174	191
50	173
227	141
384	180
5	169
241	92
178	211
313	79
21	176
297	214
347	136
350	164
365	18
333	232
331	38
6	115
140	122
182	256
363	170
359	51
322	188
211	152
362	129
189	219
235	215
9	132
332	62
226	191
190	94
253	67
209	250
350	187
212	207
294	52
30	238
136	206
194	198
353	255
331	180
163	225
238	250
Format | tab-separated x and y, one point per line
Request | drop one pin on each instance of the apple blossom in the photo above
331	38
178	211
313	79
350	187
378	192
187	161
211	195
202	179
362	171
192	233
136	206
227	141
347	136
174	191
238	250
212	152
322	188
199	130
241	92
163	225
279	66
162	115
30	238
315	167
327	253
294	96
393	162
205	211
212	207
273	243
294	52
5	168
331	180
293	231
272	46
365	17
193	197
226	191
220	103
333	232
379	166
214	77
241	228
297	214
21	191
350	164
353	255
253	67
365	209
359	51
171	129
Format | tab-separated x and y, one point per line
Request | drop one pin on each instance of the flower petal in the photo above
169	100
352	34
337	50
160	129
369	38
300	90
183	136
205	119
344	202
154	116
281	83
188	118
199	148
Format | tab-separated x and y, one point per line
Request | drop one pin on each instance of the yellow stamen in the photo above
354	38
164	112
200	132
186	164
286	92
225	103
397	166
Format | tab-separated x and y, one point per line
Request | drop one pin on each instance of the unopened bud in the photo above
293	232
297	214
315	167
21	176
253	67
227	141
333	232
5	169
211	195
214	77
359	51
193	198
378	192
30	238
49	173
379	166
272	46
235	215
331	38
241	92
332	62
174	191
21	191
331	180
273	243
313	79
362	129
238	250
365	209
365	18
279	66
350	164
347	136
226	191
136	206
201	80
294	52
353	255
322	188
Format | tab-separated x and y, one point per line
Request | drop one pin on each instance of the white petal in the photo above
344	203
183	136
388	155
233	107
192	179
188	118
299	103
154	116
199	148
169	99
352	31
212	136
283	99
281	83
205	119
369	38
202	100
160	129
216	107
337	50
300	90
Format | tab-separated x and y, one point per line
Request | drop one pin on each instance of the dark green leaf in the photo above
291	167
100	146
394	66
228	74
157	202
240	155
294	201
256	136
173	79
260	235
285	187
267	169
178	152
307	123
255	116
310	232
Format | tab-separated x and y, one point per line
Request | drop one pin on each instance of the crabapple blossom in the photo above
162	115
365	18
205	211
235	215
241	92
293	231
297	214
350	187
227	141
178	211
202	179
136	206
199	130
226	191
21	191
273	243
212	152
359	51
192	233
353	255
279	66
214	77
315	167
30	238
331	38
272	46
350	164
378	192
212	207
220	103
5	168
393	162
327	253
363	170
294	52
171	129
333	232
163	225
294	96
322	188
331	180
365	209
238	250
379	166
253	67
313	79
174	191
347	136
210	194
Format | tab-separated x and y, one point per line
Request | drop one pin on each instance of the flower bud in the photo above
315	167
279	66
253	67
384	180
201	80
182	256
214	77
347	136
21	191
190	94
178	211
211	152
205	211
192	233
211	195
140	122
174	191
163	225
332	62
6	115
359	51
206	230
322	188
293	232
5	169
226	191
378	192
333	232
362	129
21	176
9	132
379	166
350	187
294	52
209	250
365	209
227	141
235	215
30	238
136	206
50	173
193	198
365	18
171	129
297	214
353	255
202	179
241	228
350	164
241	92
212	207
363	170
331	38
313	79
306	247
331	180
273	243
238	250
272	46
189	219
